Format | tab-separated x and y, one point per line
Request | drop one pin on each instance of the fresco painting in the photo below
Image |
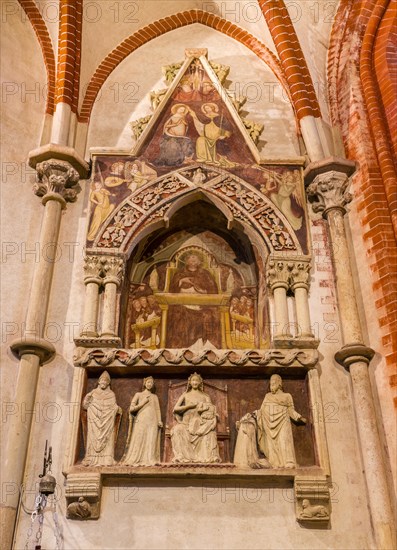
195	298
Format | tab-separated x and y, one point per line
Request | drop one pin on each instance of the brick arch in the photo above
376	114
69	52
162	26
40	28
358	119
385	62
292	59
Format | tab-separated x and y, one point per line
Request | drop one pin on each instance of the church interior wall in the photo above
168	514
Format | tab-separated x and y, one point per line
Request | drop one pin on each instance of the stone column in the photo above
300	275
113	270
92	280
327	190
278	274
57	183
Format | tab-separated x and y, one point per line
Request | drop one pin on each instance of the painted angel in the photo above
280	189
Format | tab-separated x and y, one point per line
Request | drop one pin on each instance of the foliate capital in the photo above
328	191
93	269
300	274
56	180
113	269
278	273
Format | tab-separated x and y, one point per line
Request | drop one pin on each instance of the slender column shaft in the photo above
281	311
328	192
302	311
19	421
91	309
44	269
351	327
109	310
56	183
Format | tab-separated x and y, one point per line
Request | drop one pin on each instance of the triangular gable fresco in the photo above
196	125
196	121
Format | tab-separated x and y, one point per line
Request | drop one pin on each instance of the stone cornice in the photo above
206	357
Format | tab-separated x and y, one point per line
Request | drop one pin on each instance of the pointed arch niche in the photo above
198	282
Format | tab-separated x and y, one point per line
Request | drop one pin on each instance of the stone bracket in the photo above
312	500
83	495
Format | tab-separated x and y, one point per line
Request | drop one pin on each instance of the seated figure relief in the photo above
194	437
270	429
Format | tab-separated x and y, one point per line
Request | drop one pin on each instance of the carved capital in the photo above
300	274
328	191
56	180
113	269
312	500
278	273
93	269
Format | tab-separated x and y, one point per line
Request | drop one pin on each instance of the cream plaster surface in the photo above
115	21
313	22
22	115
127	90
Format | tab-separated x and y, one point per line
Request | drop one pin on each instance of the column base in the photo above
34	346
352	353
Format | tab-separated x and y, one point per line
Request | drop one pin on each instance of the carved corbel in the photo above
83	495
312	500
56	180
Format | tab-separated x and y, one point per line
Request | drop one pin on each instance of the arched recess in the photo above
40	28
163	26
218	301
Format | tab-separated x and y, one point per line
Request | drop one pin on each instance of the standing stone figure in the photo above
102	411
274	425
193	437
143	442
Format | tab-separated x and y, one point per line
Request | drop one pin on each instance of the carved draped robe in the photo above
274	429
101	409
143	444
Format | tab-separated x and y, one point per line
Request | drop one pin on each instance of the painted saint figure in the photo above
193	437
102	411
210	133
274	425
187	324
175	145
143	442
101	198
